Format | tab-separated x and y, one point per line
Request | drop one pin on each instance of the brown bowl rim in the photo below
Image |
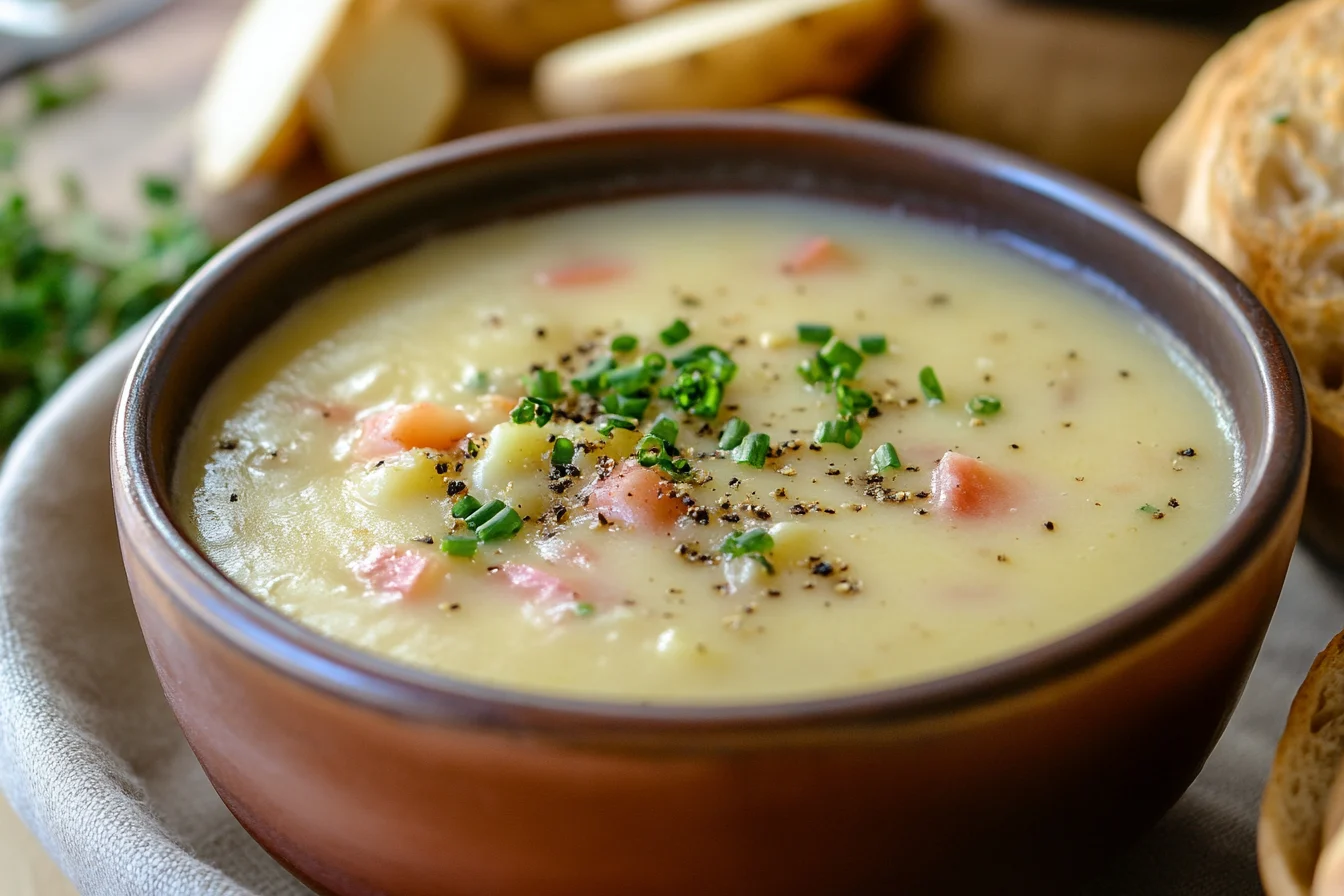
350	673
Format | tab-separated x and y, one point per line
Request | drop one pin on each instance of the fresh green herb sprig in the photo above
70	285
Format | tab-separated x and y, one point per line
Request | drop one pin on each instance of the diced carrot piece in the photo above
638	497
400	571
968	487
581	273
421	425
814	254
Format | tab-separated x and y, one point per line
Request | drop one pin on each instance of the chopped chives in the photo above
545	385
504	524
1148	508
654	361
532	410
472	448
841	357
886	458
983	406
650	451
562	452
583	608
625	405
816	334
753	450
624	343
465	506
665	428
933	390
678	331
458	545
678	468
839	432
734	433
629	380
483	514
850	401
814	371
608	423
590	381
873	344
750	541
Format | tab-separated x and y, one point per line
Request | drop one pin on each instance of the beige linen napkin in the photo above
91	758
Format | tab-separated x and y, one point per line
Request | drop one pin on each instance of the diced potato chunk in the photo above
515	467
794	543
404	477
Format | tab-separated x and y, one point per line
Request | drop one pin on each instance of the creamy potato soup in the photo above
708	449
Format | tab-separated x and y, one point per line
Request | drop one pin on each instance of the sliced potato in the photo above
724	54
823	104
390	84
513	34
249	118
489	107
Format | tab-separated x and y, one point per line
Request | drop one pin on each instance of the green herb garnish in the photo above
609	423
665	428
532	410
465	506
845	432
47	95
562	452
873	344
814	334
624	343
70	288
590	381
844	361
677	332
753	450
625	405
850	401
654	361
733	433
933	390
504	524
583	608
753	543
983	406
885	458
1148	508
545	384
458	545
484	513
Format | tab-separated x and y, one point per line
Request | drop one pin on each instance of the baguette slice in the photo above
1292	811
1251	167
390	84
249	119
724	54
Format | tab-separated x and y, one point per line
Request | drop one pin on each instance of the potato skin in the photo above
510	35
832	51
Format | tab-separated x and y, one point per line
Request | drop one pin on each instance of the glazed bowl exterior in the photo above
365	777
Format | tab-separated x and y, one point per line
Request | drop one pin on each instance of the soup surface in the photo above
371	466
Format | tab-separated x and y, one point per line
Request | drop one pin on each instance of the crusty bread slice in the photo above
1293	809
1251	166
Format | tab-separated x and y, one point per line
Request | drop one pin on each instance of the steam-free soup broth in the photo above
710	449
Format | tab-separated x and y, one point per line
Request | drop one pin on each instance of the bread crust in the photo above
1251	167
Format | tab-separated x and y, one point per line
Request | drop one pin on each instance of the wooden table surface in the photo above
990	68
